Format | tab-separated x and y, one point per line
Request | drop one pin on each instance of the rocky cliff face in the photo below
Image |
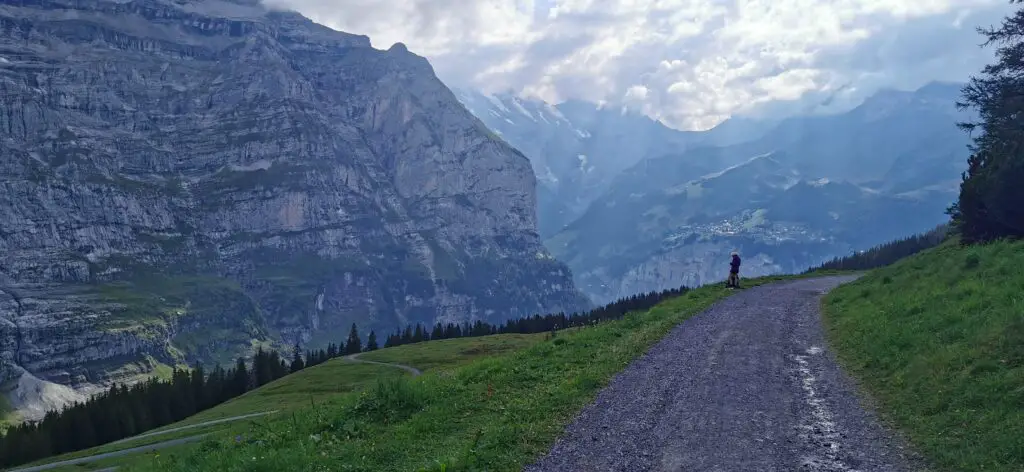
185	180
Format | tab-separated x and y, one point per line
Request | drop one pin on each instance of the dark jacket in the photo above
735	265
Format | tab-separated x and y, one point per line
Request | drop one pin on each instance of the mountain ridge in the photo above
191	180
896	156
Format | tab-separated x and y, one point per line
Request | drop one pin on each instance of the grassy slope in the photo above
938	340
496	413
8	417
320	384
448	353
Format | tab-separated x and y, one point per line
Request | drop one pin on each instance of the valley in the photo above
237	237
533	389
664	208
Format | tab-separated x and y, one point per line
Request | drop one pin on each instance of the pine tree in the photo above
261	368
371	341
240	379
278	368
991	192
353	345
297	363
199	385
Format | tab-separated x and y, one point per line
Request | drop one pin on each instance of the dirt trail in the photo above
174	442
108	455
747	385
144	448
355	358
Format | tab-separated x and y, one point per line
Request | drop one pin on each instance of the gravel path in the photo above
355	358
191	426
745	386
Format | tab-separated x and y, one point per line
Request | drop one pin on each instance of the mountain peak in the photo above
278	177
940	89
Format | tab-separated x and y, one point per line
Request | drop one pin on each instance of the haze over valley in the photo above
190	182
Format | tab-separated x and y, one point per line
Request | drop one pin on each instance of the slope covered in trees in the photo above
125	411
991	203
888	253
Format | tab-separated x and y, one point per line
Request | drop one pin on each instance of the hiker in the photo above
734	271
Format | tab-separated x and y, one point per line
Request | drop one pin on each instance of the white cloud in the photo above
690	63
636	92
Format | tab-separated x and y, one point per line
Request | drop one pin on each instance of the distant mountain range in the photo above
632	205
578	148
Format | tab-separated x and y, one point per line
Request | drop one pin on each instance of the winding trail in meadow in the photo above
143	448
112	454
355	358
747	385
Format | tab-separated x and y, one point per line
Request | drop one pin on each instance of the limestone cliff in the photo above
184	180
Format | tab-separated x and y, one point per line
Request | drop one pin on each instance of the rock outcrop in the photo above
185	180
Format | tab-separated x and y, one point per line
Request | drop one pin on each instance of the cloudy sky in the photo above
690	63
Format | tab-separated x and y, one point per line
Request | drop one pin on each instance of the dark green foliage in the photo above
297	363
991	193
240	381
532	324
353	345
125	411
266	367
888	253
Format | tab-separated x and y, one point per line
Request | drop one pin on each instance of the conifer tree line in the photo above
531	324
991	201
887	253
124	411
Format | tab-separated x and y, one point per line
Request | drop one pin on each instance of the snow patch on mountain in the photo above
717	174
519	106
